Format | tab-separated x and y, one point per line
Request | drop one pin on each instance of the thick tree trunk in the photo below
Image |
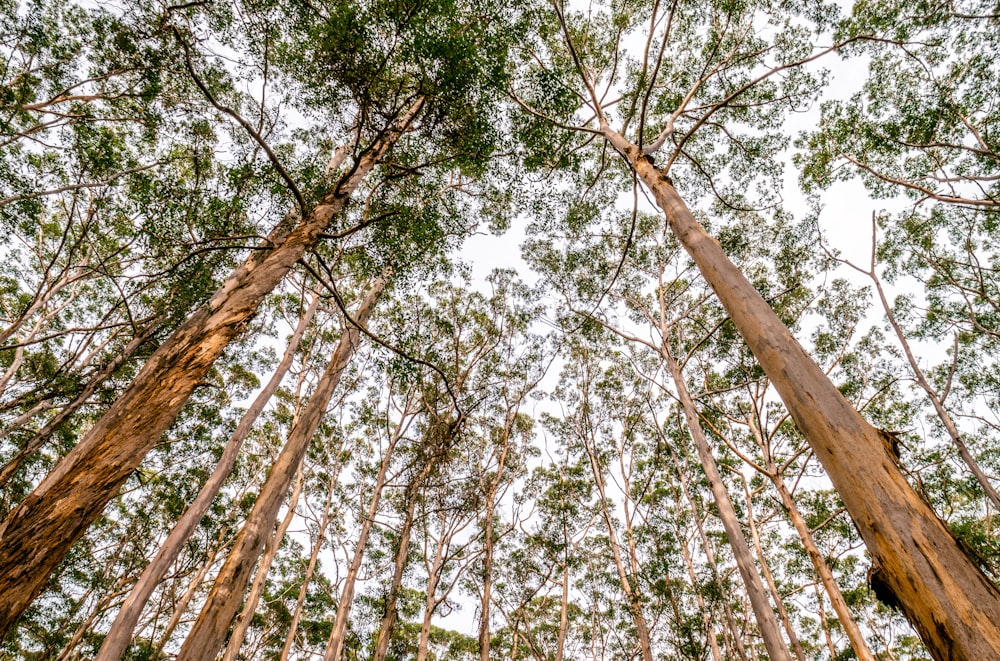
39	438
271	547
121	630
36	535
209	630
335	644
487	596
918	563
768	624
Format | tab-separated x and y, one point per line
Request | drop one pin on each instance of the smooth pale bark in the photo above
121	630
706	619
837	600
403	552
777	650
395	585
847	621
209	631
335	644
793	639
430	596
39	438
734	631
631	595
943	593
192	589
317	546
271	547
563	614
37	534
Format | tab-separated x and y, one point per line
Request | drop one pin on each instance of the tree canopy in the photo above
259	398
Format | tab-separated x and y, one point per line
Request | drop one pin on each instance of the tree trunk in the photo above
38	439
769	629
917	561
260	579
310	568
209	630
402	554
335	644
793	639
121	630
633	599
563	614
734	631
431	602
37	534
181	605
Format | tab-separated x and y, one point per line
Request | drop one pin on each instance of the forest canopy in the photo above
261	397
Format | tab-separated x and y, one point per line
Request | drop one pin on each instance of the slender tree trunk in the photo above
182	603
769	578
402	554
260	579
563	614
703	610
918	374
484	602
777	650
121	630
209	630
335	644
631	596
430	602
310	568
734	631
918	563
36	535
826	625
840	607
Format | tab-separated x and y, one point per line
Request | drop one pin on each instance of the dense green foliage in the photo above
521	426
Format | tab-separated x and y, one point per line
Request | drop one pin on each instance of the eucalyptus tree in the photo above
426	70
923	127
705	98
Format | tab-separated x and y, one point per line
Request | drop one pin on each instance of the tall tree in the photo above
690	94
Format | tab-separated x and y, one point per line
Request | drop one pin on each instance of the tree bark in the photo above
335	644
121	630
317	546
631	595
942	592
38	439
777	650
209	630
260	578
402	554
37	534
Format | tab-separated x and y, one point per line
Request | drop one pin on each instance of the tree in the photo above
938	586
59	510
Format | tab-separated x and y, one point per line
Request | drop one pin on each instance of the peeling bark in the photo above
121	630
209	631
39	532
943	593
